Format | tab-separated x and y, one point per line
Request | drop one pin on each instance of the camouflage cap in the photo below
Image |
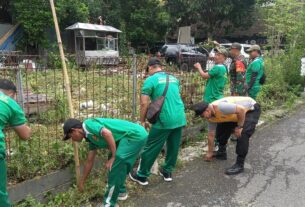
222	50
254	48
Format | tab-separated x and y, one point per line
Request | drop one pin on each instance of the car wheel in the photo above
184	67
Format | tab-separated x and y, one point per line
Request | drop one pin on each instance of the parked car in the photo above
184	55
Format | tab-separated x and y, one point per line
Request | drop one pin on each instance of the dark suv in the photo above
184	55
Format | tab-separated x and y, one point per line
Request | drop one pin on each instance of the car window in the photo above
184	48
202	50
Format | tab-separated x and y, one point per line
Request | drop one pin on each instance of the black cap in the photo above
236	45
199	108
68	125
7	85
154	61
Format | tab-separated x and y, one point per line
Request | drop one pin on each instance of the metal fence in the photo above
98	90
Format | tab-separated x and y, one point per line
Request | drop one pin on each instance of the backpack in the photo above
262	80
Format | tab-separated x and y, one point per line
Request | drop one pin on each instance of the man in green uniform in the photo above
255	71
167	129
10	114
214	90
125	141
216	77
237	71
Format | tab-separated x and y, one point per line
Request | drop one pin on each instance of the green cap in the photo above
222	50
254	48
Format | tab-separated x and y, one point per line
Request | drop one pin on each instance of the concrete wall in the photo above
61	180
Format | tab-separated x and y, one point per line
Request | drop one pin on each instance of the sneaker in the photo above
235	169
166	176
141	180
123	196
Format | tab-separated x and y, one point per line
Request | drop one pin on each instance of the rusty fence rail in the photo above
98	90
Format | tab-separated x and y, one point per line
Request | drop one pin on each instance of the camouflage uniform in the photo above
238	76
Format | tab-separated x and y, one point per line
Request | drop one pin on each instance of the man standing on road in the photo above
10	114
167	129
214	90
237	71
125	141
255	71
235	114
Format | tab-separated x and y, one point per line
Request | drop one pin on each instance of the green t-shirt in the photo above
257	66
10	114
172	114
216	83
119	129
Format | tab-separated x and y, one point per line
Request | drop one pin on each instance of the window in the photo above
100	44
90	44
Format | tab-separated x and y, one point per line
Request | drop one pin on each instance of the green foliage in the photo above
71	11
291	62
38	156
34	17
145	21
286	28
58	112
214	18
278	90
285	23
123	45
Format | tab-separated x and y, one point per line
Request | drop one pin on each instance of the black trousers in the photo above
224	131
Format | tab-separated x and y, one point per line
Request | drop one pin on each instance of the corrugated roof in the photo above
93	27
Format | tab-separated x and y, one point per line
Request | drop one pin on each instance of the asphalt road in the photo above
274	174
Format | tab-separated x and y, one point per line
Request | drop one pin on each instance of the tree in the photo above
71	11
285	22
143	21
214	18
35	19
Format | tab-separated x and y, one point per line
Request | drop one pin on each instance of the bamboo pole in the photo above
67	87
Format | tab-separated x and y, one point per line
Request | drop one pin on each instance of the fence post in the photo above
134	87
67	87
20	96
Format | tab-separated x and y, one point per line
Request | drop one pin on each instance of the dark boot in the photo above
237	168
221	154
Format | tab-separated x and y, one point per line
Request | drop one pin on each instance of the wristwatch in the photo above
240	127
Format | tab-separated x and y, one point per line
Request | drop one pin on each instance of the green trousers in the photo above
253	92
156	140
127	152
4	202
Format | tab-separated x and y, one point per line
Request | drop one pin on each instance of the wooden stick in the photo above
67	87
